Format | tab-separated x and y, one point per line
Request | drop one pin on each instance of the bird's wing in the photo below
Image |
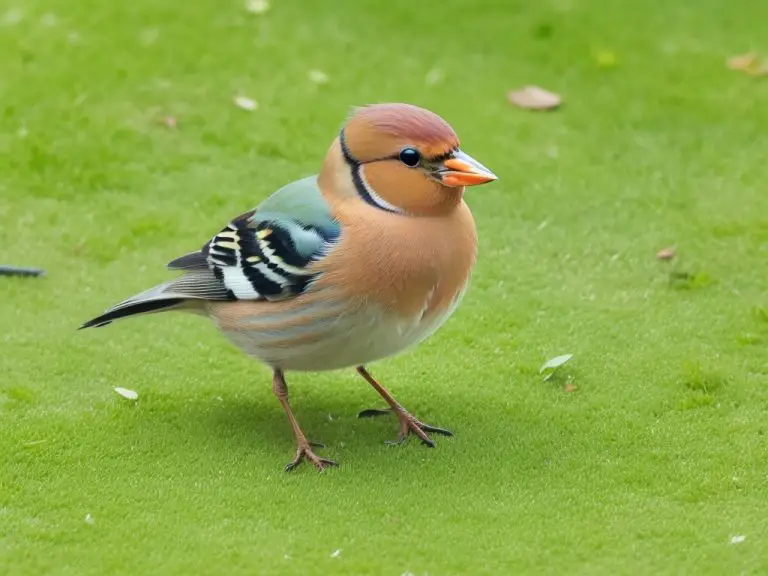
266	252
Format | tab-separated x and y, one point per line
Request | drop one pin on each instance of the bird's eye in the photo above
410	157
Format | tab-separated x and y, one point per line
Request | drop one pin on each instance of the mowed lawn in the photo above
645	454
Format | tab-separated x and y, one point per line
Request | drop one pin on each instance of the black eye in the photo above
410	157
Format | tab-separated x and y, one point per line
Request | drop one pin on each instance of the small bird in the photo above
340	269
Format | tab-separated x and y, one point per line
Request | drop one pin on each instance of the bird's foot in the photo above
304	452
409	424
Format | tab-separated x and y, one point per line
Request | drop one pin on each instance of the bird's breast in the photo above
412	267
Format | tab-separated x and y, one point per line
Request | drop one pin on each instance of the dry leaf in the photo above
742	62
257	6
738	539
89	519
245	103
169	121
318	77
666	253
336	553
758	69
534	98
569	387
125	393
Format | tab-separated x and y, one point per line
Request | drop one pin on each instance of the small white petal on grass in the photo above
318	77
336	553
330	417
125	393
89	519
245	103
534	98
257	6
434	76
738	539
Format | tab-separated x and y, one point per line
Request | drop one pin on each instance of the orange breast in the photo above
408	265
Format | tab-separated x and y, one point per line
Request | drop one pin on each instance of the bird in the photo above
359	262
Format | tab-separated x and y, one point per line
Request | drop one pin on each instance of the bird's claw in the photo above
408	425
304	452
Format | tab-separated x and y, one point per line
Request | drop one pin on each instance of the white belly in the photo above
352	339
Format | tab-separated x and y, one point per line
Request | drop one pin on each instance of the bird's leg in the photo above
408	423
303	447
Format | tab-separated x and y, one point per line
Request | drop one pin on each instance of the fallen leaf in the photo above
742	62
738	539
125	393
534	98
245	103
569	387
89	519
336	553
551	365
318	77
666	253
758	69
257	6
555	362
169	121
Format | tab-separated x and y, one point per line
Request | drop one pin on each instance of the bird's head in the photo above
403	159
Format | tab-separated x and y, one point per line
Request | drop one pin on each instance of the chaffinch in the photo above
337	270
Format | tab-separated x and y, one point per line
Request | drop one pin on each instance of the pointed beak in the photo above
463	170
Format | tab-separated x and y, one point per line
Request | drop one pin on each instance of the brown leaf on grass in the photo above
569	387
743	62
169	122
749	63
534	98
666	253
758	69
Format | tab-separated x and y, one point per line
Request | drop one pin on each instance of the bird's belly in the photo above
351	339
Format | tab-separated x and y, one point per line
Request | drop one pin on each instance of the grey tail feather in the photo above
132	309
191	261
187	291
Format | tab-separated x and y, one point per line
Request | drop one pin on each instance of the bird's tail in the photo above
156	299
187	292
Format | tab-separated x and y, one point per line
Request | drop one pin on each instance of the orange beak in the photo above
463	170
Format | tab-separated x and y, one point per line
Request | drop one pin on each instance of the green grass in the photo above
650	466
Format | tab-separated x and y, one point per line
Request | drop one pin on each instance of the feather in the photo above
191	261
264	254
